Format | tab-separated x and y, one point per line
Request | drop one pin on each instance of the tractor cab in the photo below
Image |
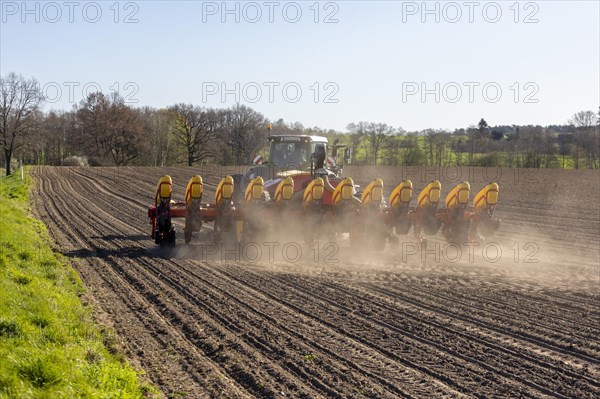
294	152
287	153
301	157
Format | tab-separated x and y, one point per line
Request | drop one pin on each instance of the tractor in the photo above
300	188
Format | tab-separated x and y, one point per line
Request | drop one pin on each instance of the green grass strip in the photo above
49	345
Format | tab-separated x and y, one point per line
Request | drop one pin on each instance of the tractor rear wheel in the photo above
458	232
168	241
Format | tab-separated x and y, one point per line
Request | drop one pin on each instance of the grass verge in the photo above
49	345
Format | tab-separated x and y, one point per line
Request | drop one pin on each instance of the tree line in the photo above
573	145
103	130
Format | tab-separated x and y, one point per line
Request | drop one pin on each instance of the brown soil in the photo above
519	317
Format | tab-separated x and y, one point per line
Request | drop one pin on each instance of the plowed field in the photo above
518	317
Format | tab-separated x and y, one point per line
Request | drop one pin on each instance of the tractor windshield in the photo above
291	155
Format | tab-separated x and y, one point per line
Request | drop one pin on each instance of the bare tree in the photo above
246	132
107	130
279	127
565	142
19	101
586	138
584	119
459	144
436	145
359	134
46	142
194	129
356	137
530	146
412	154
54	137
159	123
391	148
375	135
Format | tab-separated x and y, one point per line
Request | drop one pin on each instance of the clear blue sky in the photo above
373	58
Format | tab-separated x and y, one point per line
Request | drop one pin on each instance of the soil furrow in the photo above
370	325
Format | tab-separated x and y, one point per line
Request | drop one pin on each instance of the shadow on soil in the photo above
119	238
126	252
130	252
